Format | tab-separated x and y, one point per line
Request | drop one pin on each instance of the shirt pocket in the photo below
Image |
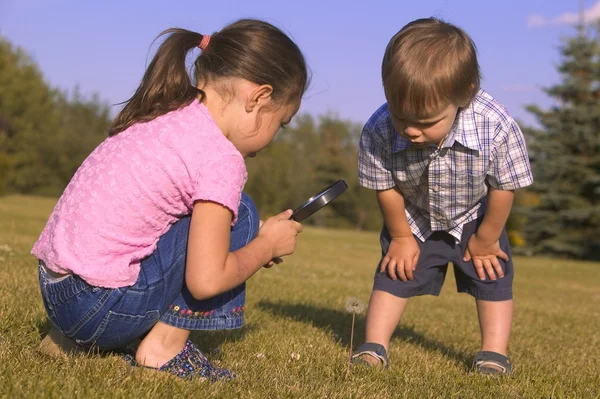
466	180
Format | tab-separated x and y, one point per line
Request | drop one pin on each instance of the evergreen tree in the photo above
565	153
44	134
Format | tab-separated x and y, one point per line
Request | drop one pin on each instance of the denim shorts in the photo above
113	317
436	252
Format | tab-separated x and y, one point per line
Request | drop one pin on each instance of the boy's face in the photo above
426	131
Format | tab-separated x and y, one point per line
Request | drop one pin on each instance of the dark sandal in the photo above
372	349
486	362
190	363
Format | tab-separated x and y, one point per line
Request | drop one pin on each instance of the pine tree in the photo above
44	134
565	153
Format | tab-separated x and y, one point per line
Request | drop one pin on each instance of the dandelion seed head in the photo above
354	305
5	248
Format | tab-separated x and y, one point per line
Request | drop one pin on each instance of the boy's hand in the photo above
401	258
485	256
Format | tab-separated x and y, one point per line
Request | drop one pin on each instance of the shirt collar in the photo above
465	129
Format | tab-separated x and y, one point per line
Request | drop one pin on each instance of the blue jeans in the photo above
112	317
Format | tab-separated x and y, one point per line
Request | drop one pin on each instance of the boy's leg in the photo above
390	297
383	316
493	297
495	321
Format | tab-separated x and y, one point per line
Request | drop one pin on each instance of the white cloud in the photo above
591	14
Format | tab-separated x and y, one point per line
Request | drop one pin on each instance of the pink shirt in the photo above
132	188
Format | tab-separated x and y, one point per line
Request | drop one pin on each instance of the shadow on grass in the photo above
208	342
43	326
211	341
339	324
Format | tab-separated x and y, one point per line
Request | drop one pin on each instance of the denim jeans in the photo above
112	317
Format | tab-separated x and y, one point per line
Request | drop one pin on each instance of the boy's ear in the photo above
259	97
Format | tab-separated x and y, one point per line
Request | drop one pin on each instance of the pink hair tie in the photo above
204	42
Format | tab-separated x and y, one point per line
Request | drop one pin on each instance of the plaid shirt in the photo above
445	188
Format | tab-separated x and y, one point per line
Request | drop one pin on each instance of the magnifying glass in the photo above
319	200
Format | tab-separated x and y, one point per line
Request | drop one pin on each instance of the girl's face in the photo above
256	118
250	117
265	126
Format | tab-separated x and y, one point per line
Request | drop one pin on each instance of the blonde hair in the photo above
428	65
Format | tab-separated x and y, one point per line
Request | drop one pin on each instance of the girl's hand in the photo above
280	232
485	256
401	258
275	261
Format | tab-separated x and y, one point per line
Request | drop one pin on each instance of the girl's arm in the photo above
211	269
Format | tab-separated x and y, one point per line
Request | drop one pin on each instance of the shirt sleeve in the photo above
510	168
221	181
374	161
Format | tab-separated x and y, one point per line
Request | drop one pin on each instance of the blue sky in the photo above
103	46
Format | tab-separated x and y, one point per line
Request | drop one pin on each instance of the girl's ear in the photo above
259	97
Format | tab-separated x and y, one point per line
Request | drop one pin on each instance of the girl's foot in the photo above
56	344
190	363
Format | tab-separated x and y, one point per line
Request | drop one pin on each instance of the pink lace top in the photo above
132	188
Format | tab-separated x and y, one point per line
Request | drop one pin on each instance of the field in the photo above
297	333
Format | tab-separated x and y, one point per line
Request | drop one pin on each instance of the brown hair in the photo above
248	49
428	65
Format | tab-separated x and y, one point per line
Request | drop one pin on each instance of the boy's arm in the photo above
484	246
391	204
375	158
402	256
496	215
509	171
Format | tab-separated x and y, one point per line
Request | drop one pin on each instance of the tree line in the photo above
45	134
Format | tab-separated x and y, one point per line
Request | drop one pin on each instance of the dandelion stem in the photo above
351	345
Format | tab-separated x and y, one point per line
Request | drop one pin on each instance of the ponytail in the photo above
247	49
166	85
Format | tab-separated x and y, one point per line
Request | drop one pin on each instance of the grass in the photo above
298	308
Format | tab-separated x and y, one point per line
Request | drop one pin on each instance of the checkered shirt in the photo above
445	188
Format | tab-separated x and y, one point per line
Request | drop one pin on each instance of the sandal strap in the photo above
487	358
372	349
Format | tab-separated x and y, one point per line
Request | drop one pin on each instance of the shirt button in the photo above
436	188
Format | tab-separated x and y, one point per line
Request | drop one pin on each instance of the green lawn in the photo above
298	308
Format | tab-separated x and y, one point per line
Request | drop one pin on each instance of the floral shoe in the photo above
189	364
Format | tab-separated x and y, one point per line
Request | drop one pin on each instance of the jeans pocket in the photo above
118	329
53	292
71	302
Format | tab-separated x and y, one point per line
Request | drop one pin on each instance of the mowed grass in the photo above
298	308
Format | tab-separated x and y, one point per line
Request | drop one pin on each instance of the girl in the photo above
153	236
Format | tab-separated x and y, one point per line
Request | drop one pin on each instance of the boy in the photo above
445	159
